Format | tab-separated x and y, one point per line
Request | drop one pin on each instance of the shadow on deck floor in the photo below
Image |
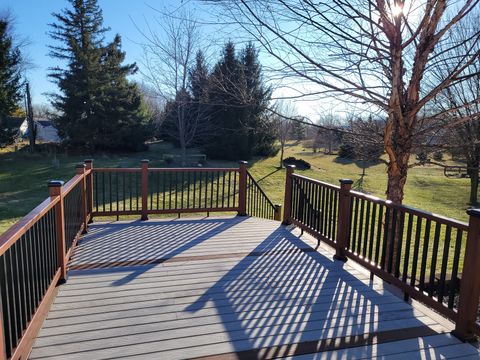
227	288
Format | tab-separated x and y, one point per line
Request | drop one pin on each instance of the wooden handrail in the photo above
324	184
412	210
9	237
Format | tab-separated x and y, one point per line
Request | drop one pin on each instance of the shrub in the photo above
299	163
422	156
438	156
346	151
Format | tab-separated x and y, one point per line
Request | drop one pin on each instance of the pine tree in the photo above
260	129
238	100
99	108
10	80
227	98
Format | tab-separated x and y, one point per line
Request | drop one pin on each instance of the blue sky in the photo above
122	16
32	19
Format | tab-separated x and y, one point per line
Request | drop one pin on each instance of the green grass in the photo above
24	176
427	188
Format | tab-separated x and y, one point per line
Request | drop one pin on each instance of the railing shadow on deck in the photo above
143	243
292	294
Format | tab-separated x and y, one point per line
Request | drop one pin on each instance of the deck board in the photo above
223	287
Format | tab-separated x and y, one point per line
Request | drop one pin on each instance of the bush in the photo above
299	163
346	151
438	156
422	156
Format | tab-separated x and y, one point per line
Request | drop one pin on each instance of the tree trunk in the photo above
32	130
282	146
473	173
398	146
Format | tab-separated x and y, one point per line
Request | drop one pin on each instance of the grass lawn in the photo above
24	176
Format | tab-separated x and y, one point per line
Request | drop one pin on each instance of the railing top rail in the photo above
190	169
260	189
324	184
21	227
71	184
117	169
414	211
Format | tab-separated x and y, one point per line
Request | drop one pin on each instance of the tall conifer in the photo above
99	108
10	80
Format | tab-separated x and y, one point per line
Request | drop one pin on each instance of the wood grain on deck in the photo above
227	288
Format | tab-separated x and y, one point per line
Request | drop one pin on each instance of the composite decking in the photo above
227	288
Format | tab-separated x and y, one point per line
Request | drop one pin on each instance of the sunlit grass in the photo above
24	176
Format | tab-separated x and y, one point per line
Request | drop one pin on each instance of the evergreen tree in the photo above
10	80
260	129
238	101
99	108
230	136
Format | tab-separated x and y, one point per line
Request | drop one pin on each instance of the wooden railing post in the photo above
80	170
343	225
242	189
55	189
144	189
89	190
278	213
287	202
470	281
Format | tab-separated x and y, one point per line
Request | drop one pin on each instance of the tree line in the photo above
222	110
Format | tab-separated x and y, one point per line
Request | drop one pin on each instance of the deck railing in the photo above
34	253
145	191
431	258
33	258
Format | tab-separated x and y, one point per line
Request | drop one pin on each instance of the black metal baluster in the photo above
433	264
416	251
386	234
423	266
399	243
407	248
455	270
372	231
443	273
355	221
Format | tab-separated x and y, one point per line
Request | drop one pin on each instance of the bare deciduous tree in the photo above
284	111
376	52
460	106
168	57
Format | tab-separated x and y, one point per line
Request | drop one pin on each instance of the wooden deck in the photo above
227	288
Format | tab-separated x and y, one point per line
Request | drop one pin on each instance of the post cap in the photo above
242	162
473	212
88	161
80	166
144	161
278	205
291	166
55	183
346	181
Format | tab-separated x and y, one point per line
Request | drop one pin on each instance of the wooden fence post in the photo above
242	189
80	170
144	189
55	189
470	282
287	202
343	224
278	213
89	188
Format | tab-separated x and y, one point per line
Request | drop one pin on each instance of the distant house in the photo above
46	131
